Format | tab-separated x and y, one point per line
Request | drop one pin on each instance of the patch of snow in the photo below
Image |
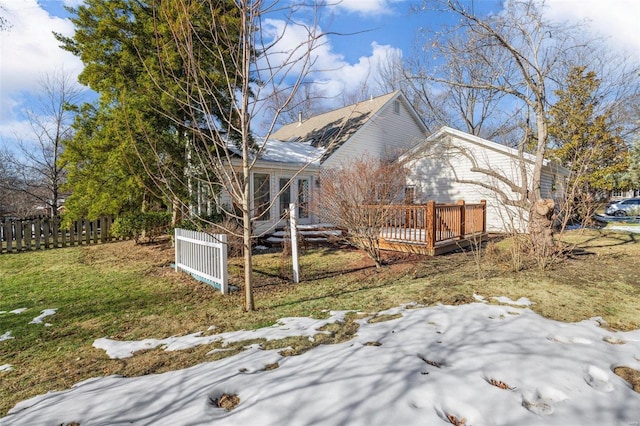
285	327
630	228
429	366
43	314
315	226
523	301
18	311
6	367
6	336
479	298
261	248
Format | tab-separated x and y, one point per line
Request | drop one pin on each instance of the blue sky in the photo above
28	50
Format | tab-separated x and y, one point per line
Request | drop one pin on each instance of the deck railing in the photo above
431	223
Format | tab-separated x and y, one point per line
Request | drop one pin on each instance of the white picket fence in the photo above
204	256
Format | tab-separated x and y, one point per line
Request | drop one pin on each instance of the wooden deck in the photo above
431	228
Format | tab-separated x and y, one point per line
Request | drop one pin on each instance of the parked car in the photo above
628	207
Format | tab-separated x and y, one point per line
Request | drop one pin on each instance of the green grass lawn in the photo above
124	291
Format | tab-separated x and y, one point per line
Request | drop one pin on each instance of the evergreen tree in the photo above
632	176
131	145
584	141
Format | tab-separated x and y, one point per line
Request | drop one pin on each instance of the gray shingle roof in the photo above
332	129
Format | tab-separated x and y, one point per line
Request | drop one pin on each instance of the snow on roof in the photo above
278	151
333	128
291	152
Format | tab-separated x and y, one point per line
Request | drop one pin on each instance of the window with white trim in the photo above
261	196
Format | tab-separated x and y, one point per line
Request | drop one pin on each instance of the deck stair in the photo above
313	234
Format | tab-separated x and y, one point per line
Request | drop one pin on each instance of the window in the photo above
617	193
261	196
409	194
285	196
396	107
303	198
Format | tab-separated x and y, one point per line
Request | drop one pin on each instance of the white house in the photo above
452	165
441	165
385	126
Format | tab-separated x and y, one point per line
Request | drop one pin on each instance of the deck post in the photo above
431	225
484	215
463	231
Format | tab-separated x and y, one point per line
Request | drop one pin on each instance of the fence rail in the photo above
44	233
204	256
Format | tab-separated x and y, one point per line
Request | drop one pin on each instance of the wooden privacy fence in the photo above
204	256
45	233
431	228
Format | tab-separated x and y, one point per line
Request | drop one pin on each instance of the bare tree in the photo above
354	197
37	170
4	22
618	92
6	183
237	71
306	102
464	107
520	54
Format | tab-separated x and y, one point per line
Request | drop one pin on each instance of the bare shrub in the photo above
475	248
351	197
235	245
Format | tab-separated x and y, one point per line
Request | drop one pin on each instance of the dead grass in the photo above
630	375
226	401
499	384
128	292
383	318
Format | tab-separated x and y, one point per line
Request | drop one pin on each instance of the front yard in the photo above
129	292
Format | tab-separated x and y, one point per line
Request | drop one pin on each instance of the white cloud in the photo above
342	76
617	20
331	72
364	6
29	52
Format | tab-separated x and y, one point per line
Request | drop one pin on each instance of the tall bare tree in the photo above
518	53
247	73
6	182
37	170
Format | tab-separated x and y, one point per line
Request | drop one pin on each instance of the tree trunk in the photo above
248	261
541	228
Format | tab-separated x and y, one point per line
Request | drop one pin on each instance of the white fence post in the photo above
294	242
224	283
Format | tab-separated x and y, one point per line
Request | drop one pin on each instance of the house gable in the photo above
442	169
380	127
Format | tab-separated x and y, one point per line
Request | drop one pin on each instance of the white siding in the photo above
437	173
386	135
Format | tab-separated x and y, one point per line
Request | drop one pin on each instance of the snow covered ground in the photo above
476	364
